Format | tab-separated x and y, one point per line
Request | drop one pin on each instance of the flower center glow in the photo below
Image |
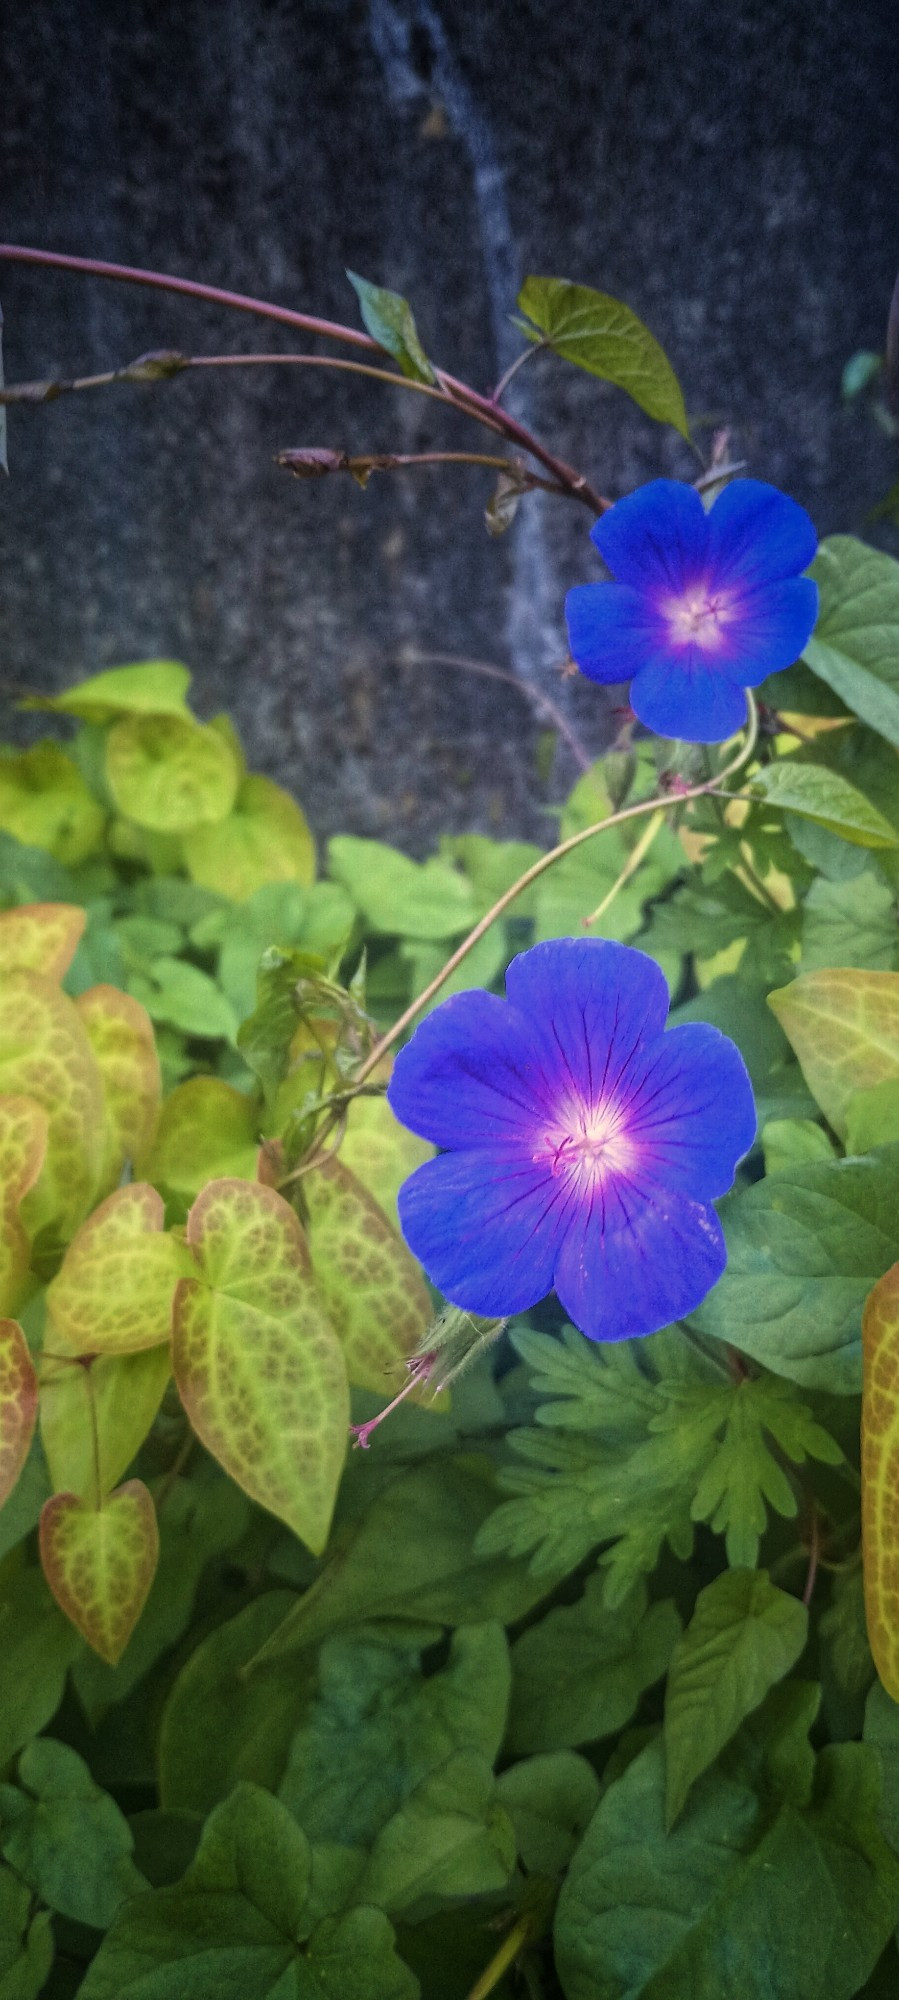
697	618
589	1143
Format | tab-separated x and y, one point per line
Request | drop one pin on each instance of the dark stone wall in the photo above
730	170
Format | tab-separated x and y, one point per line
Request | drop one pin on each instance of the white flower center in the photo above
589	1143
697	618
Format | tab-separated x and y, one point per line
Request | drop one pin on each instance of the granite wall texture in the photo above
731	171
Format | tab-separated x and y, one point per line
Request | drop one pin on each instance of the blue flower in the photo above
703	605
583	1143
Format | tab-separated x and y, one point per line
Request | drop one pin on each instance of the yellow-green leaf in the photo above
100	1562
207	1131
18	1404
40	937
828	799
880	1475
112	1400
265	838
380	1151
45	802
152	687
371	1284
23	1143
120	1033
45	1054
258	1365
170	774
844	1027
114	1290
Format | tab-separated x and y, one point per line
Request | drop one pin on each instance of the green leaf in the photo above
170	774
872	1117
881	1731
265	838
844	1027
742	1896
822	795
395	895
743	1637
549	1801
37	1647
855	647
450	1838
603	336
221	1724
388	319
45	803
850	923
241	1922
378	1728
795	1142
579	1674
372	1288
804	1250
185	997
154	687
26	1941
745	1477
411	1557
207	1131
67	1838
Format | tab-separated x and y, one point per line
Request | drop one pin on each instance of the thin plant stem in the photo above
536	347
814	1552
502	1959
533	874
637	854
454	393
536	699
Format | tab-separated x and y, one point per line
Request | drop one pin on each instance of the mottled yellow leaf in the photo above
880	1475
40	937
113	1292
100	1562
844	1027
18	1404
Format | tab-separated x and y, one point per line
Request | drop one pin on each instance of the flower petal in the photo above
486	1228
774	624
689	699
757	535
657	536
469	1076
590	1004
691	1113
613	630
635	1262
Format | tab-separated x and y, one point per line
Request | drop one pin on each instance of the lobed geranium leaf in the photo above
258	1365
804	1250
880	1475
170	774
40	937
388	318
23	1146
66	1837
606	338
373	1290
153	687
120	1033
96	1414
45	802
421	899
855	645
844	1027
18	1404
816	793
265	838
45	1054
207	1131
114	1291
578	1675
745	1477
744	1636
100	1562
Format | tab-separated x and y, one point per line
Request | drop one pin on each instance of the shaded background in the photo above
731	172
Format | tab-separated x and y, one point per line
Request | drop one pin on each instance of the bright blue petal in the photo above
773	625
590	1004
656	538
691	1113
689	699
757	535
469	1076
612	630
630	1267
487	1228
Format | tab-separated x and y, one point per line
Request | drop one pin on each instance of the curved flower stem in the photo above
637	854
539	868
542	704
456	394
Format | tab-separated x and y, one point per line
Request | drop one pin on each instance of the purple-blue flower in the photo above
702	606
583	1145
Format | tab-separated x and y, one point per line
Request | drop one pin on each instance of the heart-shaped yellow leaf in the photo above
113	1292
120	1033
100	1562
844	1027
258	1365
23	1143
45	1054
374	1292
18	1404
880	1475
96	1414
40	937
